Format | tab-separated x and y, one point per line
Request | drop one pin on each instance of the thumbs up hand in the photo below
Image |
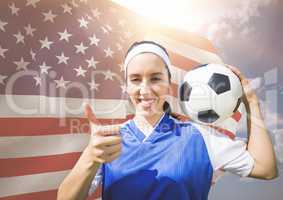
105	143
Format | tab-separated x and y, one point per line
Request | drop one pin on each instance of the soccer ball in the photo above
210	93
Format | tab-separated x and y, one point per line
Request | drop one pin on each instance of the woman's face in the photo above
147	83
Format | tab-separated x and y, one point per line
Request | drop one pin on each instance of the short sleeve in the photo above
225	153
96	181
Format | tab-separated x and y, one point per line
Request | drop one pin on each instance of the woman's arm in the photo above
259	143
76	185
104	146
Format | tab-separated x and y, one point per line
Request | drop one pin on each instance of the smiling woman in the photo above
155	156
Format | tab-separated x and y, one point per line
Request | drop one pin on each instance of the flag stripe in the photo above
31	146
26	126
42	106
29	106
31	183
51	194
187	50
44	185
189	38
182	62
22	166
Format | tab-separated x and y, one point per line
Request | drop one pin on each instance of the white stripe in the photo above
186	50
31	183
177	74
42	106
30	146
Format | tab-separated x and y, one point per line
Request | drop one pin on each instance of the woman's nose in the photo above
144	87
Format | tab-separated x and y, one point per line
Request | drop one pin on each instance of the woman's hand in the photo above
259	143
105	142
104	146
249	95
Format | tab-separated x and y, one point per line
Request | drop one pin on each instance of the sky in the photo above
246	34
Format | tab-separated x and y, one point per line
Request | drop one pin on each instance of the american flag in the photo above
55	55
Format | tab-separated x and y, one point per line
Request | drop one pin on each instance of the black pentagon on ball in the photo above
208	116
219	83
185	91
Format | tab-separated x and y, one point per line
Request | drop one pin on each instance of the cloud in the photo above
224	16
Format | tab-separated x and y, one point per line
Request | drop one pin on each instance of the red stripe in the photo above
225	132
45	195
182	62
175	89
47	126
35	165
237	116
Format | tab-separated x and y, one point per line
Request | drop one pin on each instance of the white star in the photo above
93	85
83	22
14	9
109	52
105	31
74	4
96	13
44	68
37	80
49	16
64	35
2	79
62	59
81	48
45	43
21	64
94	40
61	83
29	30
19	37
32	54
108	75
2	51
32	3
123	88
2	24
80	71
119	47
67	9
92	63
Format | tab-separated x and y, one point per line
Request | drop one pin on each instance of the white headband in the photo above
147	48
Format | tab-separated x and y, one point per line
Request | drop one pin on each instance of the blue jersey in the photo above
171	163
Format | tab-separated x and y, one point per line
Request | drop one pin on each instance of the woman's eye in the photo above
155	79
135	80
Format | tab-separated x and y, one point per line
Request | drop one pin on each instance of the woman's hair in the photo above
166	105
150	42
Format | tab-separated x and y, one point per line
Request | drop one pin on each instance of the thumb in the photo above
90	115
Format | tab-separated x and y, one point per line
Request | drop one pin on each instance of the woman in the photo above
155	156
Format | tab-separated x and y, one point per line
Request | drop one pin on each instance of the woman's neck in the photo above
151	120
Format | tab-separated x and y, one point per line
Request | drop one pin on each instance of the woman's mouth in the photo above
146	103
